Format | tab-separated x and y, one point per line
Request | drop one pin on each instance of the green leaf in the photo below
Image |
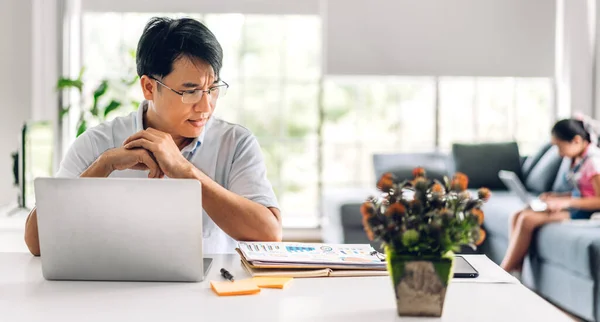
65	83
81	71
81	127
130	82
297	131
99	92
101	89
64	111
113	105
335	114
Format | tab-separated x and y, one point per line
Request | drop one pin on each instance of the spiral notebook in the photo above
310	259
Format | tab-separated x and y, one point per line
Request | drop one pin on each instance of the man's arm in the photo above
98	169
102	167
246	209
240	218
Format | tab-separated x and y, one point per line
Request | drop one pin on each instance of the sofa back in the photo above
540	172
401	165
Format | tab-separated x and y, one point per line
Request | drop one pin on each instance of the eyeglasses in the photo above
195	95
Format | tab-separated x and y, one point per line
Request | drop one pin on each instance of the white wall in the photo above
446	38
15	85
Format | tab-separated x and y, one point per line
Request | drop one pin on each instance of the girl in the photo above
575	139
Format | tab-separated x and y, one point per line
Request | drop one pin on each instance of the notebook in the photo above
309	272
272	282
310	259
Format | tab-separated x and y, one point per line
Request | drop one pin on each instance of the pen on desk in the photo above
226	274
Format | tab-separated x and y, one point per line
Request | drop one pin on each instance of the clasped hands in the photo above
151	150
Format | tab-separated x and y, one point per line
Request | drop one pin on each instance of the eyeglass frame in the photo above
201	90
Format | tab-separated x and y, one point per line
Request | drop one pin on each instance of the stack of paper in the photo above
310	260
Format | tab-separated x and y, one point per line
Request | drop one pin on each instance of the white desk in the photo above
12	230
26	296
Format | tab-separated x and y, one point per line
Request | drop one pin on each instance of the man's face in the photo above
170	113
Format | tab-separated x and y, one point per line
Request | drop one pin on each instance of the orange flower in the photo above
368	229
481	238
484	194
396	208
386	182
479	214
418	172
418	180
460	182
437	188
367	209
446	212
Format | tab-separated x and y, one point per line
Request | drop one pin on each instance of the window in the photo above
274	87
275	83
363	116
374	115
495	109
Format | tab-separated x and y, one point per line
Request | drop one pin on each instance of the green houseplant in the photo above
108	96
421	223
95	109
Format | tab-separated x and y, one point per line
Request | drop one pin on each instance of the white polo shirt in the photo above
227	153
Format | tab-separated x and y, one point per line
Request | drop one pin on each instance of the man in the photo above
173	134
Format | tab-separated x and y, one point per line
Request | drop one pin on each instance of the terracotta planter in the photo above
420	283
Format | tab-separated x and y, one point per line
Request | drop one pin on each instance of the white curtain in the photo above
575	57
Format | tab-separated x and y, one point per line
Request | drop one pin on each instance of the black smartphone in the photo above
462	268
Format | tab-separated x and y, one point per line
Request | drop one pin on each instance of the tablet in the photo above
462	268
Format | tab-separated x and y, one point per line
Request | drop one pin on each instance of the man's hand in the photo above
135	159
165	151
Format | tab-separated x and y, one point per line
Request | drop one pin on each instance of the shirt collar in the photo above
191	148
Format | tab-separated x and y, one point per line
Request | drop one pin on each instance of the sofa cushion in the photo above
401	165
533	159
352	227
568	246
482	162
543	174
351	216
498	210
573	292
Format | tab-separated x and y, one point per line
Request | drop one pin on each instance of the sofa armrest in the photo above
331	209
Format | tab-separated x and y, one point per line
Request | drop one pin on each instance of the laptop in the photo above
120	229
514	184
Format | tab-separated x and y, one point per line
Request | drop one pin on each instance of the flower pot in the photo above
420	283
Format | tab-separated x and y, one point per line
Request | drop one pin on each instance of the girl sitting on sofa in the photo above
577	140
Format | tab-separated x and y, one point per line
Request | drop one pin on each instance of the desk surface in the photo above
26	296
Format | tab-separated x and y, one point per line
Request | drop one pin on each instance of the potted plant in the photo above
421	223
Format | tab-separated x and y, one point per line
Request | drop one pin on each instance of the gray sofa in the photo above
563	265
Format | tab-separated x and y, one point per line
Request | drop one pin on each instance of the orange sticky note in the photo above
272	282
241	287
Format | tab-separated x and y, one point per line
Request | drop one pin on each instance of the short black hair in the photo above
165	40
567	129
